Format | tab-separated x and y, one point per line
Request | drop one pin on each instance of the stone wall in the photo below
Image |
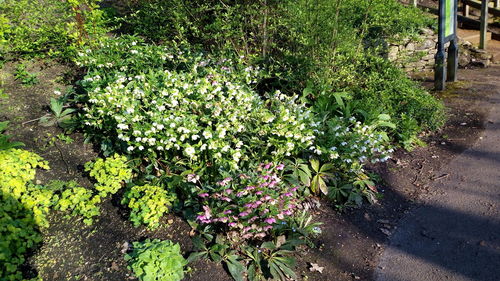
418	55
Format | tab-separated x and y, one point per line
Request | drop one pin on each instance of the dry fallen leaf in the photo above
125	247
316	267
385	231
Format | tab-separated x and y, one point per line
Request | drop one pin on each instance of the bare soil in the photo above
351	240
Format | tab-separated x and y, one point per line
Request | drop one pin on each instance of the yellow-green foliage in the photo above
22	209
17	170
17	167
148	203
110	173
78	200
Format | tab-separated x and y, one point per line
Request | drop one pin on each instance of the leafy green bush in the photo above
156	260
56	28
332	45
204	112
110	173
379	87
148	203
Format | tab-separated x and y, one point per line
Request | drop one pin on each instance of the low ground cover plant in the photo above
148	203
156	260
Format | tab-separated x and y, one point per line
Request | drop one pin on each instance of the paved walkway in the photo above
456	234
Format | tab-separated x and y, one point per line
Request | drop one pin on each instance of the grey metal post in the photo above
497	3
452	68
484	24
439	69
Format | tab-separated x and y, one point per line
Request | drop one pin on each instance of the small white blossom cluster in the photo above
350	144
204	114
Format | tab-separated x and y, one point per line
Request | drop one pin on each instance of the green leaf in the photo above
195	256
56	106
315	165
236	269
327	167
268	245
384	117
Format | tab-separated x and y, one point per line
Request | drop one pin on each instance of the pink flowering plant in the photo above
249	205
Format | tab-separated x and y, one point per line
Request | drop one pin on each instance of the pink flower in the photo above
232	224
248	205
241	193
270	220
287	212
203	195
250	188
229	191
226	212
267	227
256	204
260	235
246	229
294	189
288	194
227	199
280	167
207	212
243	214
258	192
253	219
268	165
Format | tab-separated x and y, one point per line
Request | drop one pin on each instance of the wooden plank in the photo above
477	5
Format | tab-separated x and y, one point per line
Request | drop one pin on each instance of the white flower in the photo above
195	137
130	148
141	147
134	52
207	134
190	151
58	93
122	126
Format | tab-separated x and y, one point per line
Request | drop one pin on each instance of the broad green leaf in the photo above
315	165
56	106
236	269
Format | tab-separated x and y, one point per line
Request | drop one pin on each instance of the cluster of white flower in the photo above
205	114
350	144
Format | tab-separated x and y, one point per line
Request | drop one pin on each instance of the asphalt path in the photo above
455	234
